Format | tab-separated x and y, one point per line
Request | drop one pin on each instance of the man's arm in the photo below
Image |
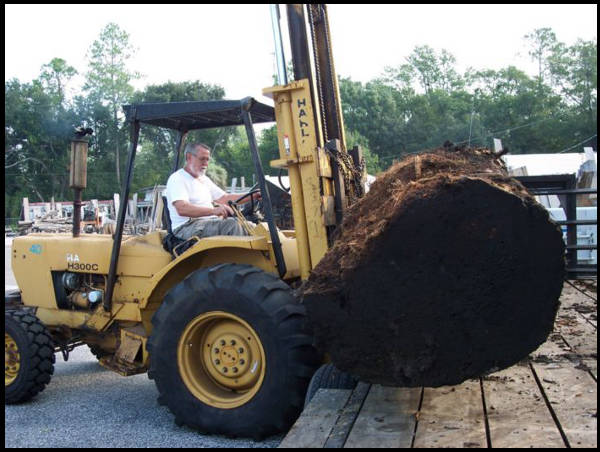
186	209
232	197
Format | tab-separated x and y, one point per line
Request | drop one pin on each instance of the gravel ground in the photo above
86	405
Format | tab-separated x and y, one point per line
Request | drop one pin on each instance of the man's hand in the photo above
223	210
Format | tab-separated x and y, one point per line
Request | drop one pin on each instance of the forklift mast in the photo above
324	176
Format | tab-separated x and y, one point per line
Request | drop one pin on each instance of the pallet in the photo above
547	400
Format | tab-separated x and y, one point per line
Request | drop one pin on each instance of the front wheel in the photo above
231	352
28	356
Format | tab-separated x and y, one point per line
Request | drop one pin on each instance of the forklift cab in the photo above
185	117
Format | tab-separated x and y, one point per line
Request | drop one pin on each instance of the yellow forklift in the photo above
213	321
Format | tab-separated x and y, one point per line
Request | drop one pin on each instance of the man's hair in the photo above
190	148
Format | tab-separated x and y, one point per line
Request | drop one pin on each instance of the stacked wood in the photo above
446	270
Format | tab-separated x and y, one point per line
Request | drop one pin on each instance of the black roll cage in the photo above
185	117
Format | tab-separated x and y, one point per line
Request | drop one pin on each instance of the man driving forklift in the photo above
197	206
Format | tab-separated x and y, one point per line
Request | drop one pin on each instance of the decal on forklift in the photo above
36	249
302	113
72	257
74	264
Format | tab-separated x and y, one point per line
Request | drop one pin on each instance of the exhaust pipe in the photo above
78	173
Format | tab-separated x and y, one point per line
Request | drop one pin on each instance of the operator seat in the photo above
170	242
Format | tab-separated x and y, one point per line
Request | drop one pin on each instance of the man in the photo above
192	196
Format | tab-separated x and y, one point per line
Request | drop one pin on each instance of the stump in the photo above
446	270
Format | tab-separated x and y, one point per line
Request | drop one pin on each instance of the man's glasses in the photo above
202	159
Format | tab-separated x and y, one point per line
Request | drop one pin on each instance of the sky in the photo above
232	45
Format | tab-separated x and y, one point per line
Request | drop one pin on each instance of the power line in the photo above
477	139
514	128
496	133
578	144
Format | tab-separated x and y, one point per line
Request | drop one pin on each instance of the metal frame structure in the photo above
184	117
565	187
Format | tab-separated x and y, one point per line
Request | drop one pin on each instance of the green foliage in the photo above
217	174
415	106
108	79
424	102
236	157
55	75
542	43
37	136
354	138
108	82
268	149
157	146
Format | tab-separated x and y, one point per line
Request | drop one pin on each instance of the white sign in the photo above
589	154
497	144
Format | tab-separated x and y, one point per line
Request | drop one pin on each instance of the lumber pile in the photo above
446	270
49	222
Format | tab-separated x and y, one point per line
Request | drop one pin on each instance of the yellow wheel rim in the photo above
221	359
12	360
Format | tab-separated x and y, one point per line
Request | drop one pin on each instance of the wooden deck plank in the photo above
520	413
516	411
591	365
317	420
573	300
387	418
452	416
572	393
341	429
582	337
554	348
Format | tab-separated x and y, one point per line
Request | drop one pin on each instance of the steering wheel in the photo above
251	209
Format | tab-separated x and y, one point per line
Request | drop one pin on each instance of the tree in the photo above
542	43
108	80
37	134
378	112
235	156
354	138
519	109
427	68
268	149
574	71
217	174
155	159
410	108
55	76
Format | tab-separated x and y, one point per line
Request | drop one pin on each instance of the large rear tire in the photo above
28	354
231	352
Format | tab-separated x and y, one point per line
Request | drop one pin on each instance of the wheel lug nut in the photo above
235	369
241	350
217	362
232	342
216	350
242	362
222	342
224	369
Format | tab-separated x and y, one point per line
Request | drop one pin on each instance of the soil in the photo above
446	270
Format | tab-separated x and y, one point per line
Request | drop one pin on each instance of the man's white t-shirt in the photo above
200	191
